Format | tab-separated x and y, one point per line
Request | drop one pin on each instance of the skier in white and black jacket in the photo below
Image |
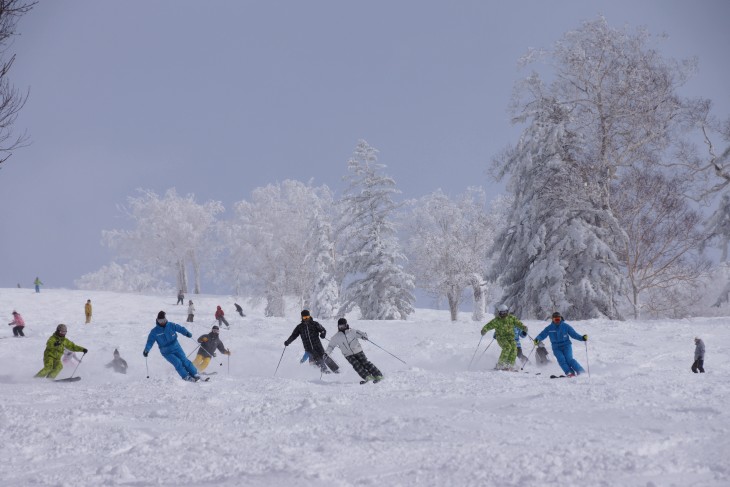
346	339
310	332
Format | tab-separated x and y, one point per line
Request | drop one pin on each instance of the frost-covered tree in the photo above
370	251
123	278
171	233
274	244
448	246
553	251
324	297
661	252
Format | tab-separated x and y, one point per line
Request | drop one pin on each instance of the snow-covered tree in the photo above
275	245
664	239
371	253
324	297
553	252
170	233
448	246
123	278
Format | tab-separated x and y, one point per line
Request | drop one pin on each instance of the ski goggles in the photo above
306	317
557	319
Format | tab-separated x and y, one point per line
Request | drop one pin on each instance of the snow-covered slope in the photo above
641	419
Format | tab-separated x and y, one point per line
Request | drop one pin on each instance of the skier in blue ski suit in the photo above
165	334
560	333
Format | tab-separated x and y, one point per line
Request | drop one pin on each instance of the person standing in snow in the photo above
239	309
191	311
505	325
699	363
209	343
346	339
541	353
87	310
220	316
37	284
18	324
560	334
180	297
53	353
118	363
310	332
165	334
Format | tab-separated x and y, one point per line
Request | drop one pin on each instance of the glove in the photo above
483	332
523	334
227	352
585	338
364	337
189	335
85	350
536	342
204	339
322	335
145	353
286	343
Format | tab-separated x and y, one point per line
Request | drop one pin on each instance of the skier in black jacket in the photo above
310	332
209	343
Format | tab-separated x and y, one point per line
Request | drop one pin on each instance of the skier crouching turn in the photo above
346	339
165	334
560	333
209	343
310	332
52	364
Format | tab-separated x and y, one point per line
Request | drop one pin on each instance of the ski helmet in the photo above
502	310
61	329
342	324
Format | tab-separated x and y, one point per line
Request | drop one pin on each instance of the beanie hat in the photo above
215	327
116	352
305	312
342	321
61	328
557	315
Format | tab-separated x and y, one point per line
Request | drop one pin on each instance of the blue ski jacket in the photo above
166	337
559	334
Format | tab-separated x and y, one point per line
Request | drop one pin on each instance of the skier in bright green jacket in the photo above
504	325
55	345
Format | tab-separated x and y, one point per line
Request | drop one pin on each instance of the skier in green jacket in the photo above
55	345
504	325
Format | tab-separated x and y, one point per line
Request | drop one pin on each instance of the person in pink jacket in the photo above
18	324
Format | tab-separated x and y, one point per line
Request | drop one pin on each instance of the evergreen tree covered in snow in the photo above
552	252
324	297
371	254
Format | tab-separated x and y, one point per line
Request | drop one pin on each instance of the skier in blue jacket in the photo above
560	333
165	334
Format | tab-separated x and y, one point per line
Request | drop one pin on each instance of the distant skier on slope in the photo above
165	334
560	333
310	332
239	309
699	363
220	316
209	343
504	325
191	311
346	339
18	324
55	346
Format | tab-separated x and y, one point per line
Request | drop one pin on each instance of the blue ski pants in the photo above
177	358
564	356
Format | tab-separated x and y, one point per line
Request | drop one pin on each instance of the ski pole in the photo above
587	363
530	355
229	363
475	352
485	350
384	350
77	365
282	356
147	367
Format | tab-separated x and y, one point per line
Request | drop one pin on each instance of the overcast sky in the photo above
217	98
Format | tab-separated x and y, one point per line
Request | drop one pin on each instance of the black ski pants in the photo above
324	361
18	331
698	365
362	365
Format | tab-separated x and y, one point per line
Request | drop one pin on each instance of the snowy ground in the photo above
641	419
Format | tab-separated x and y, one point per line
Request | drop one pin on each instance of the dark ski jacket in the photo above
310	332
119	364
208	347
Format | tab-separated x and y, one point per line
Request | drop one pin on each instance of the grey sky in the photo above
217	98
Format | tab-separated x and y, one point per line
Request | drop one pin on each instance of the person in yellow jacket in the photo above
55	346
504	325
87	310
